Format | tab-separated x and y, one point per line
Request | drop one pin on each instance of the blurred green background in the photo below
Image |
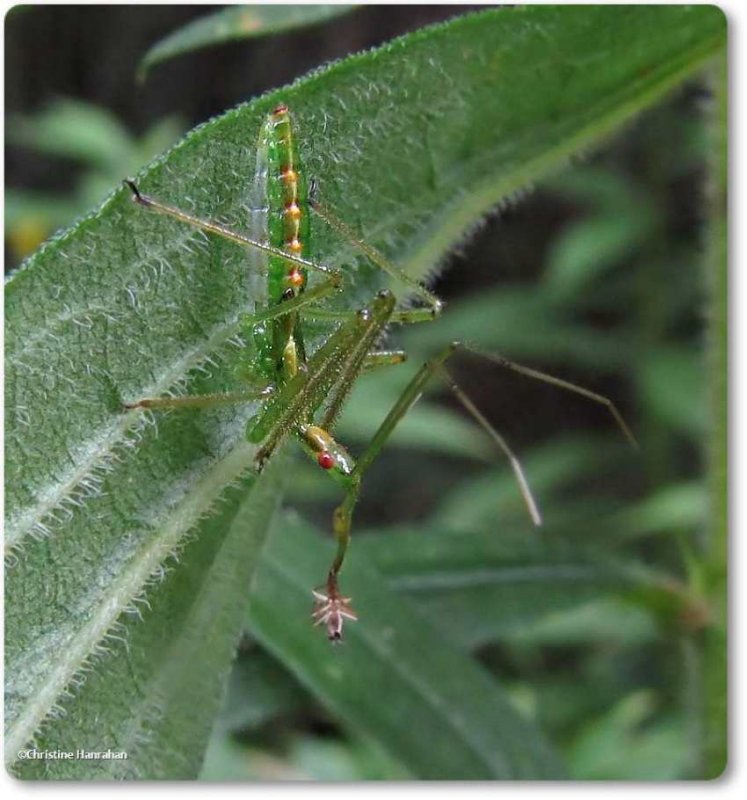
596	276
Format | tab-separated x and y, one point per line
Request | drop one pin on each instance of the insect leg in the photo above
377	258
343	514
312	295
384	358
225	232
330	604
403	317
495	358
342	518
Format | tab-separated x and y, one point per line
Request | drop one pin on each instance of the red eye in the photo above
326	461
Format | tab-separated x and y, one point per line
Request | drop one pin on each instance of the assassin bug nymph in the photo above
303	392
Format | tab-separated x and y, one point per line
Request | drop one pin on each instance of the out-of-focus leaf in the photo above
323	759
617	223
589	248
478	587
72	129
677	508
302	758
393	666
229	760
604	621
476	504
716	554
259	690
236	23
672	384
66	129
620	746
551	336
48	210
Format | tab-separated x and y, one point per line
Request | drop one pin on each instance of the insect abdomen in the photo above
287	197
279	345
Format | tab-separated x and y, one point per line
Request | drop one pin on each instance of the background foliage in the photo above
601	637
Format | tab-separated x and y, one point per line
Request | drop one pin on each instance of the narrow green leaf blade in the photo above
237	23
480	587
394	677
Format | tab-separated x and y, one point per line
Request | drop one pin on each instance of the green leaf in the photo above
477	504
479	587
393	666
237	23
410	144
616	221
619	746
73	129
153	685
603	621
259	690
675	509
551	337
672	384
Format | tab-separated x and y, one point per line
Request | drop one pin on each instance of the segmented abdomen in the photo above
288	206
279	342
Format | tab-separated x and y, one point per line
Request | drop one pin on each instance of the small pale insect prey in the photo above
301	393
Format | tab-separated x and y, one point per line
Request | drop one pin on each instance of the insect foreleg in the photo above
412	392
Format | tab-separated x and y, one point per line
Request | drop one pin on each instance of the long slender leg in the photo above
312	295
384	358
436	305
342	517
240	238
404	317
225	232
501	361
482	421
332	608
334	277
373	255
339	359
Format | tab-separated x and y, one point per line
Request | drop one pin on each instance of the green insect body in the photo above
304	393
280	343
